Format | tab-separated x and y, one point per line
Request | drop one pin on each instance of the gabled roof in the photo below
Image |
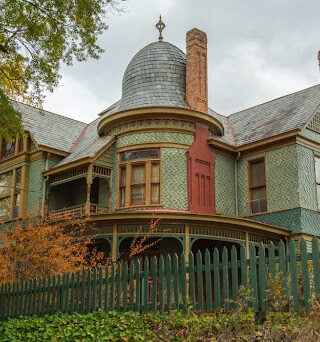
88	144
49	129
278	116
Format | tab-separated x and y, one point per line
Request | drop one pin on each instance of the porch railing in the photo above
75	212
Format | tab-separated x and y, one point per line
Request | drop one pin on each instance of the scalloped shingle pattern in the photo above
156	76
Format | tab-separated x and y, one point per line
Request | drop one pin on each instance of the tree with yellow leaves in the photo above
36	36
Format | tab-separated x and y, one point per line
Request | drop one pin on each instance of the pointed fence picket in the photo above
205	282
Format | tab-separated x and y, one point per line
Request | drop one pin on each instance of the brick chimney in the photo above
196	70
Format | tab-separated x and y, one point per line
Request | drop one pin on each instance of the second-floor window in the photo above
8	149
317	167
139	179
257	186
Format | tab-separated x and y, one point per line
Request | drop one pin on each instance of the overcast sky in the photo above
257	51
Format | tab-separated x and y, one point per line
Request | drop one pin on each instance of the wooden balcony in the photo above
76	212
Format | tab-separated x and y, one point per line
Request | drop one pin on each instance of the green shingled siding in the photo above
174	193
154	137
299	220
36	182
224	185
306	178
311	135
282	178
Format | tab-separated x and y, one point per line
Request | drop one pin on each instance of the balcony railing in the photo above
76	212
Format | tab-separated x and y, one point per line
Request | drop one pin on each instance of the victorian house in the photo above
162	152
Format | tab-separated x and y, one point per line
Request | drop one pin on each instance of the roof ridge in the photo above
231	132
277	98
79	138
48	111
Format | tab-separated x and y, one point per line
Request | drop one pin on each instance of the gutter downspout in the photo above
236	181
44	189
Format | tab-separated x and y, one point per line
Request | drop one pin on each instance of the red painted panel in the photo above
201	187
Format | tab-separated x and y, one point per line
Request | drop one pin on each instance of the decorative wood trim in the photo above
155	129
24	190
79	162
53	150
150	112
180	217
105	148
152	145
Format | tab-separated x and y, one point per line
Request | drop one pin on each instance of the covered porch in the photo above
79	192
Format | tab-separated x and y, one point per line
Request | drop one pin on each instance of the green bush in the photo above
131	326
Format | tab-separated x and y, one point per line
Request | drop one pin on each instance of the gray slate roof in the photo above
89	144
281	115
156	76
49	129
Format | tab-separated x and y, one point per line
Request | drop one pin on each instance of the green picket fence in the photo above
207	282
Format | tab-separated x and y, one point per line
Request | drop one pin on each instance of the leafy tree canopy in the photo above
36	36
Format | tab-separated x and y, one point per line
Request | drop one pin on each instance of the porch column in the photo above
114	242
25	142
12	192
89	183
247	245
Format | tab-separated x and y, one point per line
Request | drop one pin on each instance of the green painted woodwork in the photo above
154	137
311	135
36	183
68	194
299	220
103	192
225	185
107	157
282	178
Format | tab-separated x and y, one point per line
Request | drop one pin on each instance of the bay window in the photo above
139	177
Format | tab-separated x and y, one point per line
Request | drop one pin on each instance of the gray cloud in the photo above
257	51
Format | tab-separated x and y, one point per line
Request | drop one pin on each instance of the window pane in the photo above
137	194
5	184
122	196
257	173
138	173
8	149
258	200
155	173
155	193
318	192
4	208
140	154
258	193
317	169
123	176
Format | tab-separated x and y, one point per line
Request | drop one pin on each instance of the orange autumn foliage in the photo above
35	248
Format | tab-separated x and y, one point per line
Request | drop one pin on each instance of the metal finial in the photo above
160	26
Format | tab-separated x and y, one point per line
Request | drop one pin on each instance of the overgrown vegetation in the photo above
132	326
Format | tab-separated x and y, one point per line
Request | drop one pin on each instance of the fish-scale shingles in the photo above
155	77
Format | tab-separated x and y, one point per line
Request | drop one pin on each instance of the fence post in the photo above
207	268
168	280
216	278
262	283
199	281
191	281
316	265
271	257
234	275
154	283
243	265
253	278
125	286
283	268
183	282
138	287
294	274
161	284
305	273
225	278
